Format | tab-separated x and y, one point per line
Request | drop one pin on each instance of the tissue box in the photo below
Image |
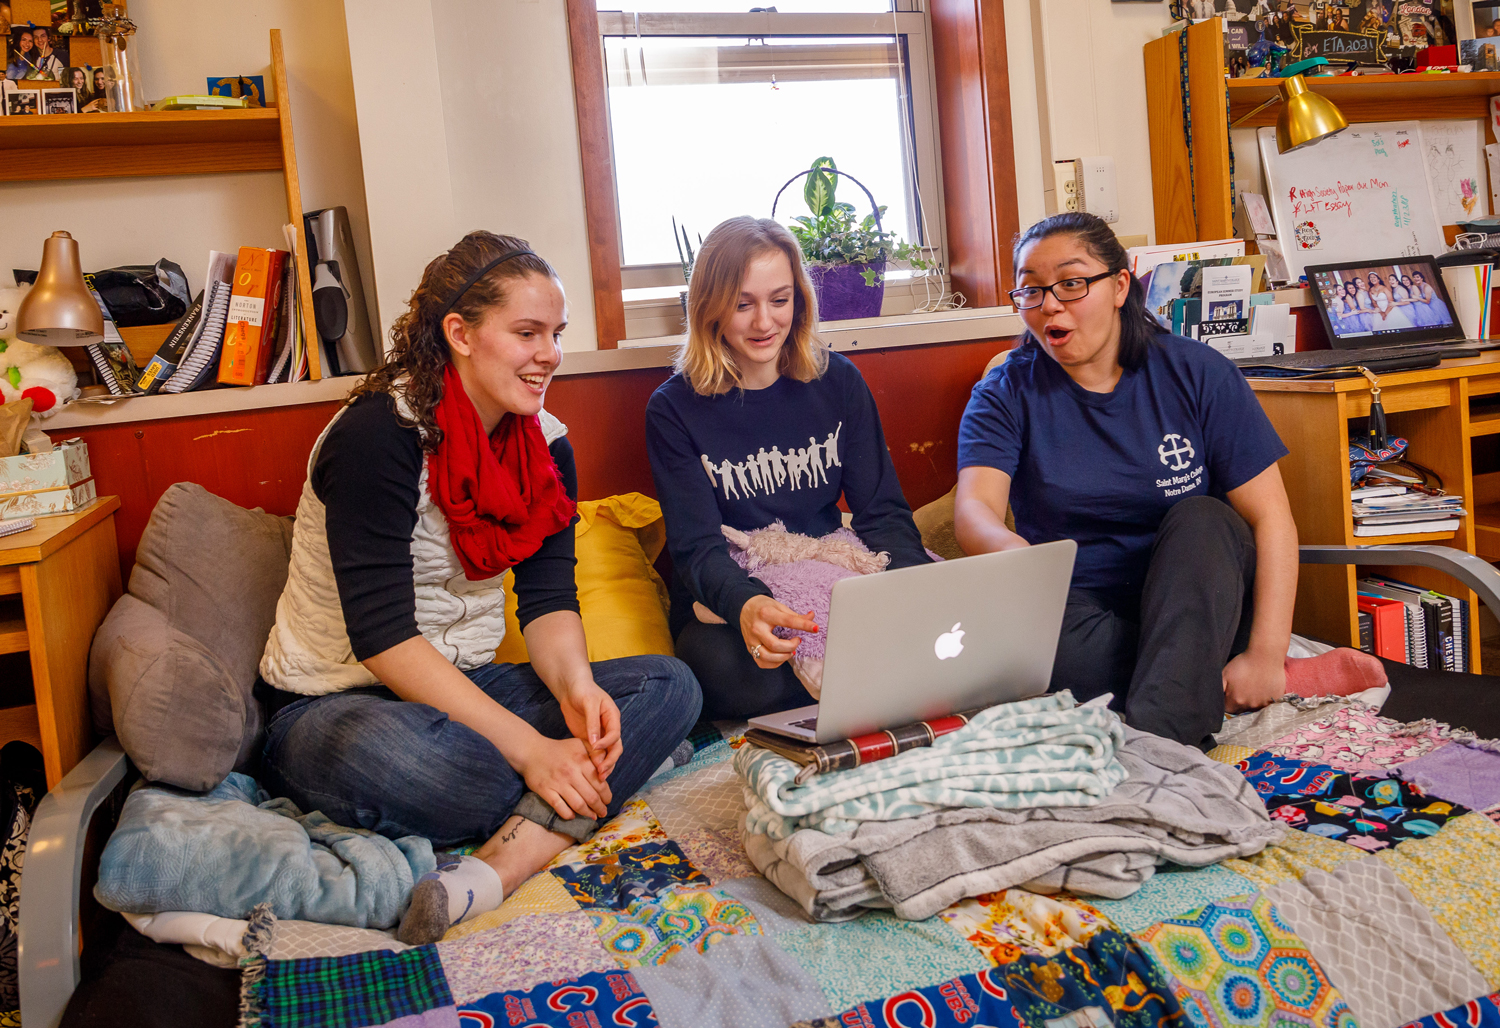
46	483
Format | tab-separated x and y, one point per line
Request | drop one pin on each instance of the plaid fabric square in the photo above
598	998
704	735
614	878
1236	962
353	991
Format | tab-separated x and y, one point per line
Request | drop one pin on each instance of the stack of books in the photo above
1415	626
1397	510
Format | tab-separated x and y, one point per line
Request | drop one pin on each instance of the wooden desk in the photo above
1440	411
57	581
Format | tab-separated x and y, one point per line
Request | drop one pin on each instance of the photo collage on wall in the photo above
1261	36
48	48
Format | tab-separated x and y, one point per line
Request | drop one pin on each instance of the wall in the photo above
498	143
135	221
1091	93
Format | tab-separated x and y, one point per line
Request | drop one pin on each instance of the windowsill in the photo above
955	326
203	401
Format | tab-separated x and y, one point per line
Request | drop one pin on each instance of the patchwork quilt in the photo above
1382	909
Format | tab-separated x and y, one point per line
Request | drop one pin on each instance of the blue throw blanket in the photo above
224	851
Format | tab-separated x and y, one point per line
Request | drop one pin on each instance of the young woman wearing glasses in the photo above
1151	452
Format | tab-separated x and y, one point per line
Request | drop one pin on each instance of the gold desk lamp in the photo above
1307	117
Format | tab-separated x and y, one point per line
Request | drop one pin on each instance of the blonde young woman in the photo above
761	423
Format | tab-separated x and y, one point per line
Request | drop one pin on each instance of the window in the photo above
712	108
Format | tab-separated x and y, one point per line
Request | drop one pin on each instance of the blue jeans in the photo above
367	758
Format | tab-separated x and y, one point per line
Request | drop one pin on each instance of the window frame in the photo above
979	215
920	143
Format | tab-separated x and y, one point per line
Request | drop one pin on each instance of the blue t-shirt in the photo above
1103	468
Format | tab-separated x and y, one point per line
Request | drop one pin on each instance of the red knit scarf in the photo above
503	495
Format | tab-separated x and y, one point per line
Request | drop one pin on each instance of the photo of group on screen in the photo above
1387	298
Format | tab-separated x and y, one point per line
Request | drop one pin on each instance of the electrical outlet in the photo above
1065	184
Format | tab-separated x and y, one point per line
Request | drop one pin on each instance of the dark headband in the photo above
469	282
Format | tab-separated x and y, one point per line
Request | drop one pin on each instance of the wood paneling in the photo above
592	104
978	148
1173	187
259	458
1210	130
1169	156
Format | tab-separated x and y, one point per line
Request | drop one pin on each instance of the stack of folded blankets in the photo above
1041	794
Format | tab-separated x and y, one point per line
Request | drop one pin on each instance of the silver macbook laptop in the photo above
922	642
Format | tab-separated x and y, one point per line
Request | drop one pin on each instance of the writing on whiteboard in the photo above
1335	199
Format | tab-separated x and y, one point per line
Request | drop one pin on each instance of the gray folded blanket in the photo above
1176	806
227	850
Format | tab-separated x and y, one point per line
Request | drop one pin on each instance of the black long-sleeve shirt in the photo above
787	453
368	474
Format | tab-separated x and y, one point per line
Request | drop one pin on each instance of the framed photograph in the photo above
59	101
1486	20
23	101
36	52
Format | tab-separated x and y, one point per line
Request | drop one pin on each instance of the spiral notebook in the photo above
200	365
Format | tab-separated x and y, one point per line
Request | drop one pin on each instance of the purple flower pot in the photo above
842	293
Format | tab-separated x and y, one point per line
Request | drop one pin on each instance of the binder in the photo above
1366	631
1416	618
1388	618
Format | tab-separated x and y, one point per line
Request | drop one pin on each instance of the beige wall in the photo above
470	105
135	221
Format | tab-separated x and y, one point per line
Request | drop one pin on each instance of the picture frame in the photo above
20	102
36	52
59	101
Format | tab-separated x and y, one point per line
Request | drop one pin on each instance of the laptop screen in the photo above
1384	304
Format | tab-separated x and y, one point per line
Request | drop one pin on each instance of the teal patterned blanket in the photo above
1042	752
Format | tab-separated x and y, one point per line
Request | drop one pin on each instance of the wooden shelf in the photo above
1370	97
145	143
13	638
1487	423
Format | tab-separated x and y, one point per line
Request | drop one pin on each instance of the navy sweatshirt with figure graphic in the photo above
784	453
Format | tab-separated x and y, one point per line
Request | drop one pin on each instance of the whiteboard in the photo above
1360	195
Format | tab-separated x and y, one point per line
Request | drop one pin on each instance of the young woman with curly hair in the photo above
385	709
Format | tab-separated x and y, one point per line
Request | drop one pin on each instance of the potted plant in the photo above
846	256
686	257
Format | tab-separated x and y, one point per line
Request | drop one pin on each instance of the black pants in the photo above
1166	666
734	687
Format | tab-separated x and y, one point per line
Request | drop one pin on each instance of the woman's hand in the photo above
594	720
561	772
1253	680
758	617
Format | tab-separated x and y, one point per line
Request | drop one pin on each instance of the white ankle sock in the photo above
460	888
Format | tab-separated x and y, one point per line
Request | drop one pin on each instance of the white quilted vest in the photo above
309	652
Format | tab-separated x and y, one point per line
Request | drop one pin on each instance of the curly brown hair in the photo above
419	349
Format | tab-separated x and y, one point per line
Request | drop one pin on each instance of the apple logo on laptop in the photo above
950	643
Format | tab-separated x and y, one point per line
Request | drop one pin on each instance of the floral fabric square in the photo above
1008	924
1236	962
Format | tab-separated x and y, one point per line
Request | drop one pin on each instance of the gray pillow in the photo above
173	665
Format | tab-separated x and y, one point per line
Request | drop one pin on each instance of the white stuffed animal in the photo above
26	369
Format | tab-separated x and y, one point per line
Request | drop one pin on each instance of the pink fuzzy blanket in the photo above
800	571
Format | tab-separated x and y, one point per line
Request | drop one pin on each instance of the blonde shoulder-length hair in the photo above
704	358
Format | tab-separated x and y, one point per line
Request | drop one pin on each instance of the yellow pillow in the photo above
623	599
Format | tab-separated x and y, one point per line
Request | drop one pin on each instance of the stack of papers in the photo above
1395	510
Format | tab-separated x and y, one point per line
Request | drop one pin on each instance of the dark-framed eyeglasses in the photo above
1067	290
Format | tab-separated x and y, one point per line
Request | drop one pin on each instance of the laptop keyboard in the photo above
1340	358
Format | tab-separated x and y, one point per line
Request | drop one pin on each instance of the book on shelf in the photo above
254	303
818	758
1396	510
1437	625
200	363
169	355
1407	528
1366	631
1415	627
